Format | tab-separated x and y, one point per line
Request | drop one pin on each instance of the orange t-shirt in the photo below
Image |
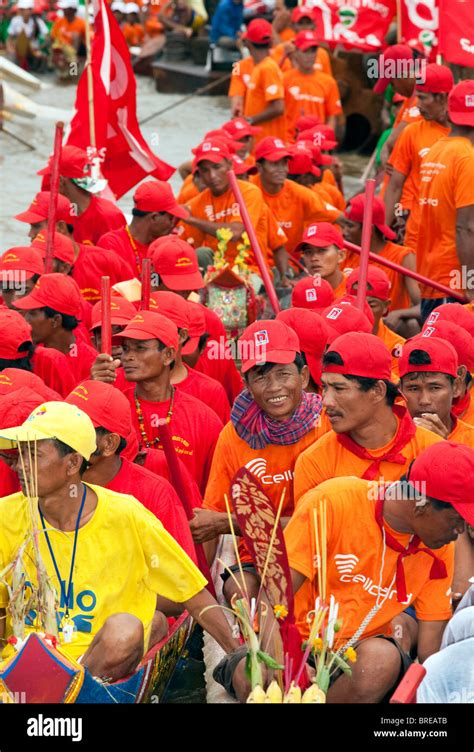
392	252
411	146
240	78
330	193
314	94
468	414
355	551
408	112
63	31
463	433
295	207
134	34
272	465
329	459
188	190
222	209
341	289
447	184
394	343
328	177
265	86
322	62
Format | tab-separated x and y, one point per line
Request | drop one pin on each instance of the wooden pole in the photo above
146	285
266	277
399	21
365	243
106	324
90	79
53	197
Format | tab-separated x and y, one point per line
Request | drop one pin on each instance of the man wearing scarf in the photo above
372	437
272	421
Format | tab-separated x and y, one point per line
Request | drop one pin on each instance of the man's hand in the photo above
432	422
207	525
104	368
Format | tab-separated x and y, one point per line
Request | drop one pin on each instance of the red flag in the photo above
456	32
419	21
356	24
125	157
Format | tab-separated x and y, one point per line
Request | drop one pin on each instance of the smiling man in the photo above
322	249
372	437
272	421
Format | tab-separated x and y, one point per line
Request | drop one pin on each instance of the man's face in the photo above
158	284
322	261
428	393
431	106
436	527
278	391
41	326
305	59
14	291
36	228
248	143
53	470
214	175
274	173
96	335
379	307
143	361
347	406
69	14
162	223
304	24
352	231
404	86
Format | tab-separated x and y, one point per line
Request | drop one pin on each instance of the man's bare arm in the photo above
274	109
465	243
392	194
430	634
210	228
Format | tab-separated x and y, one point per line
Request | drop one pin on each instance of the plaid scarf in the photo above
255	427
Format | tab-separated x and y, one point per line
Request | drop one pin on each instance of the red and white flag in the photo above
356	24
125	157
456	32
419	21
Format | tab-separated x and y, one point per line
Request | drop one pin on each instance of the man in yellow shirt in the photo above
108	559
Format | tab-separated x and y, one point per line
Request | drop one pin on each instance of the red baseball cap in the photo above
363	355
197	326
454	312
320	135
314	293
17	406
177	310
243	166
106	406
304	40
157	196
74	163
302	11
258	31
436	79
459	338
176	263
239	127
320	235
312	333
396	53
378	284
349	299
38	210
446	469
342	318
121	312
268	341
461	103
12	379
271	148
442	356
355	212
301	163
212	150
14	332
151	325
63	247
20	259
306	122
220	134
308	147
58	291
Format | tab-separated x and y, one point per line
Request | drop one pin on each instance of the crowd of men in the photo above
370	409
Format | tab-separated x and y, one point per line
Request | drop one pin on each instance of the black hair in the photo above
23	364
65	449
262	46
140	213
202	341
68	322
70	228
422	358
365	383
100	431
161	347
299	362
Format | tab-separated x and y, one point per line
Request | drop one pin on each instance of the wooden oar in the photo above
53	197
106	325
198	92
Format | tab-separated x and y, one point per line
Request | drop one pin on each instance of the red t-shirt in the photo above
155	462
9	483
100	216
222	369
194	429
208	390
157	495
81	357
54	368
93	263
130	250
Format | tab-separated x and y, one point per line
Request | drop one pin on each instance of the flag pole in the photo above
90	79
53	197
146	285
365	243
399	21
106	325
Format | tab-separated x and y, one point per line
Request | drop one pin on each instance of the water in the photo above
176	132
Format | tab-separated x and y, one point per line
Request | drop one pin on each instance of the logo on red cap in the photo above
334	313
261	338
311	295
469	100
428	331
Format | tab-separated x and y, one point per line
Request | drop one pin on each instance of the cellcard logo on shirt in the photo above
258	467
345	565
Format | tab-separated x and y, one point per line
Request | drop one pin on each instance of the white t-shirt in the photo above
17	25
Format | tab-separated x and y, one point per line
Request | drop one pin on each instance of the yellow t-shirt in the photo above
124	559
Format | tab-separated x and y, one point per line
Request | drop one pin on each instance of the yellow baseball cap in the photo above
54	420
